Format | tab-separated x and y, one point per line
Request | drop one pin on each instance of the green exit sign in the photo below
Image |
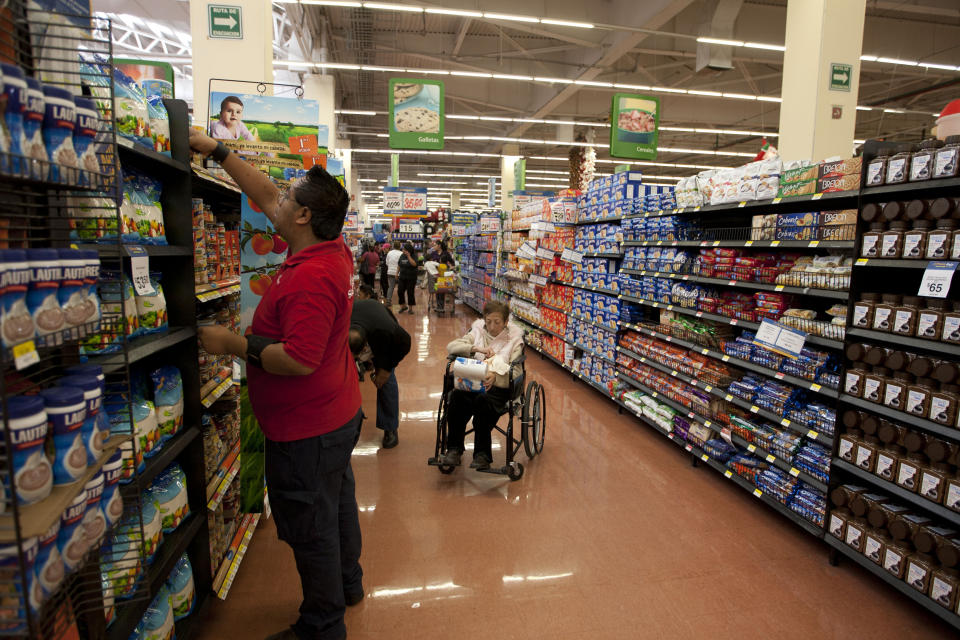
840	76
225	22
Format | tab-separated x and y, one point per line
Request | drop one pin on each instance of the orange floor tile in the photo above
610	534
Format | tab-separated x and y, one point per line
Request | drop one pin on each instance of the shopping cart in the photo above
442	288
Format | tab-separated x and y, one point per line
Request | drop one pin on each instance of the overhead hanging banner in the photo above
634	126
416	114
520	174
405	201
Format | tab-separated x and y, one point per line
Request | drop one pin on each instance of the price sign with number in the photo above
936	279
140	270
569	255
392	201
414	202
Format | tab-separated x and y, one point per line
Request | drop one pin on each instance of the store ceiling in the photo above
919	30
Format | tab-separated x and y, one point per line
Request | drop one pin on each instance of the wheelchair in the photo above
526	403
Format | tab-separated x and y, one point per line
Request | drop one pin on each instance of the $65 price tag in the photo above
936	279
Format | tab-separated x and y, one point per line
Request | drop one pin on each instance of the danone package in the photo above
168	398
159	124
149	191
182	590
133	119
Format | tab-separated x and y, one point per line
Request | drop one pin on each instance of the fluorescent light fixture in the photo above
859	108
668	90
894	111
461	117
455	12
553	80
633	87
504	76
507	16
566	23
338	65
429	72
729	43
332	3
304	65
389	6
769	99
353	112
740	96
387	69
868	58
909	63
366	180
760	45
471	74
699	92
945	67
495	119
593	83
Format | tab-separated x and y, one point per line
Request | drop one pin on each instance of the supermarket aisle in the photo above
611	534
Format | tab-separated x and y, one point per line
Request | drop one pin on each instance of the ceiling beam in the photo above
522	51
464	27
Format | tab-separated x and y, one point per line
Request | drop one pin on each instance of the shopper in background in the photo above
445	257
393	266
407	277
368	265
384	278
304	389
375	336
489	337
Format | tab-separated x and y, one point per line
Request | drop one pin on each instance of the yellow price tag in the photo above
776	200
25	354
770	458
862	262
814	243
727	474
728	397
704	457
707	423
705	351
751	448
757	492
785	422
754	409
748	243
812	435
816	196
779	287
725	358
775	243
794	472
742	204
815	387
708	389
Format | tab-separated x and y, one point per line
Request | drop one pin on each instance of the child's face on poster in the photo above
231	113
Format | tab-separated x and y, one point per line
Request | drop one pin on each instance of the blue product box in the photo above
627	176
809	219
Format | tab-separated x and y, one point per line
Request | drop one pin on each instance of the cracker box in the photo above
796	233
800	174
839	183
838	225
807	188
845	167
808	219
626	177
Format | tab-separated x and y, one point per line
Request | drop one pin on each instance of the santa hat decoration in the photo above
948	124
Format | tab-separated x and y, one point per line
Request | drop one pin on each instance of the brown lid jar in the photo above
863	311
875	356
837	522
874	384
919	393
945	208
919	571
895	556
891	242
847	447
891	433
920	366
894	211
856	533
895	390
883	312
921	164
915	240
883	514
870	240
908	473
946	372
897	360
945	587
866	455
944	404
843	495
864	503
875	544
905	526
898	166
918	210
853	380
933	481
871	213
905	315
930	320
951	494
877	170
951	325
948	552
888	461
939	239
945	160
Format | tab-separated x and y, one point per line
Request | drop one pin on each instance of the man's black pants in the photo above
367	279
311	488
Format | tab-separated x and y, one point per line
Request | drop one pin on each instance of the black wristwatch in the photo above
220	153
255	347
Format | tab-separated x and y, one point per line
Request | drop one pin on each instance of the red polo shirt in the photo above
308	309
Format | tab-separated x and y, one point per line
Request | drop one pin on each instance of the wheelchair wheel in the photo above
446	469
534	419
526	423
514	471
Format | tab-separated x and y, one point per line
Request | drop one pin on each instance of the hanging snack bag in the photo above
170	489
149	191
181	587
46	275
16	321
159	125
131	213
133	121
92	219
152	308
152	526
59	122
168	398
33	115
157	623
146	428
85	142
15	91
120	558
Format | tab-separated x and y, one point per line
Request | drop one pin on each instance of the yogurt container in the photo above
49	567
93	439
34	149
84	142
59	121
15	88
112	500
72	540
120	559
181	588
33	475
66	413
42	296
16	321
94	522
72	291
13	590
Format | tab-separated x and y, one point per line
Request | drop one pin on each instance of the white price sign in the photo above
414	202
392	200
538	280
780	339
546	254
936	279
140	270
569	255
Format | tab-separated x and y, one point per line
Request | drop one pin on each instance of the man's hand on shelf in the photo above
201	142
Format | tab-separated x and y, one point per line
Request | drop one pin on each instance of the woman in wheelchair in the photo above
489	337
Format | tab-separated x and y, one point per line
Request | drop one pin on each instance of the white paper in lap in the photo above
469	374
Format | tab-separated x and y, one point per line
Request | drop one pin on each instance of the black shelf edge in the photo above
164	458
892	264
723	393
836	294
148	157
734	322
600	220
942	612
613	256
896	490
157	251
935	347
900	417
755	244
911	190
144	346
807	385
831	200
174	545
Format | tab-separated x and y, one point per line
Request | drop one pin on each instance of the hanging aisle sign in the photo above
416	114
520	174
405	201
634	126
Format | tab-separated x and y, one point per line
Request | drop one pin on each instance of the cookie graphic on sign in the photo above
404	91
417	119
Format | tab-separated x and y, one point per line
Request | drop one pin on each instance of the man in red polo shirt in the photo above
304	389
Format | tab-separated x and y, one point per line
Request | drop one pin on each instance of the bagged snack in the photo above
170	490
157	623
181	587
147	430
159	124
150	191
168	398
152	309
133	119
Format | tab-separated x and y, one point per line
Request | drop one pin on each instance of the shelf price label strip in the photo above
224	484
220	389
239	550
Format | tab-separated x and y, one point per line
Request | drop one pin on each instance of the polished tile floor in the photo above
610	534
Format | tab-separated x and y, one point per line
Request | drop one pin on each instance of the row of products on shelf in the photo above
94	218
223	522
913	460
916	385
592	338
216	250
623	194
818	366
45	293
131	314
766	179
48	133
912	547
932	319
174	602
914	229
598	238
931	159
795	494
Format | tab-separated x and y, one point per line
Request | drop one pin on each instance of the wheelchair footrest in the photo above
498	471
